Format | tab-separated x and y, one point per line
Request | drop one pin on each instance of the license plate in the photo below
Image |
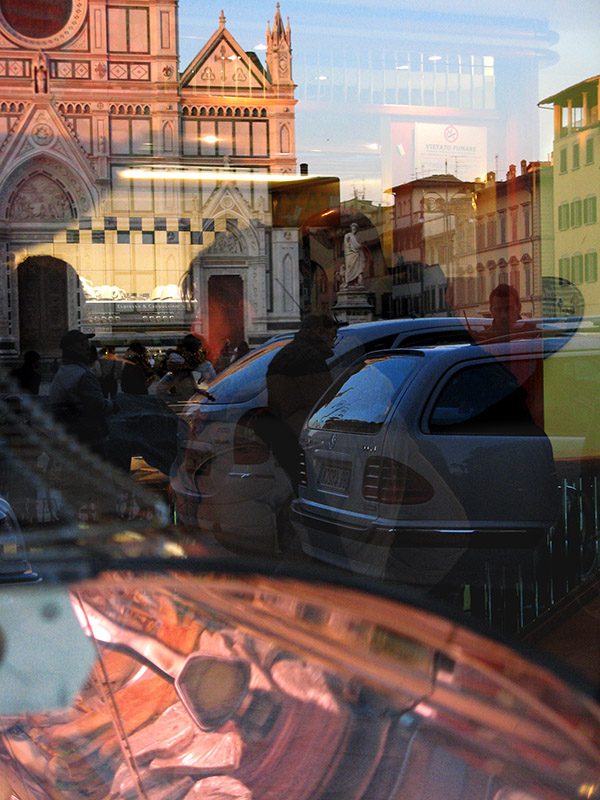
334	478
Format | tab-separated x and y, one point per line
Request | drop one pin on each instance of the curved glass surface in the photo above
300	303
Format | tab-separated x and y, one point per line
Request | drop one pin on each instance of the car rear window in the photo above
486	399
361	400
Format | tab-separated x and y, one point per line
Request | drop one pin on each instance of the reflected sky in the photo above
355	144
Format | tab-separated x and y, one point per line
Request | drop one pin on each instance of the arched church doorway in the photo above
225	311
43	303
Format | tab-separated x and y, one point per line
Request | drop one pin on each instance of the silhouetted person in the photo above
76	397
28	375
224	356
110	371
297	377
137	372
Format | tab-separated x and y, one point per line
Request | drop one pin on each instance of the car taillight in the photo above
249	447
302	477
389	481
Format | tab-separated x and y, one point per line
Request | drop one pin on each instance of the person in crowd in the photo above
137	374
110	370
160	366
296	378
194	354
179	383
28	375
75	395
224	356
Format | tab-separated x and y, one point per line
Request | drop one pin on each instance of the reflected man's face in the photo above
505	311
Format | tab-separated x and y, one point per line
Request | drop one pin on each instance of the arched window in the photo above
284	139
167	137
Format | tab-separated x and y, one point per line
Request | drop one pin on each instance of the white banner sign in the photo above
458	150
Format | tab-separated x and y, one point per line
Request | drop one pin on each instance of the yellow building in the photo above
575	170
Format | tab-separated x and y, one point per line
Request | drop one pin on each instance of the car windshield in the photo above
243	380
298	289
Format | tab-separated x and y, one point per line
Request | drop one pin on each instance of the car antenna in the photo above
469	328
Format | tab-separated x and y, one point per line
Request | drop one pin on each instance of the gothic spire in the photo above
278	31
279	50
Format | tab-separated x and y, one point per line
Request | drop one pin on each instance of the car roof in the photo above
540	346
366	330
414	324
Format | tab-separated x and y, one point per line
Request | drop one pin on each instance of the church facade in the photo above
135	199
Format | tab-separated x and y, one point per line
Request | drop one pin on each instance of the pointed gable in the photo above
222	66
41	130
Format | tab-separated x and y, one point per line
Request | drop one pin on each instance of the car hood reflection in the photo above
299	691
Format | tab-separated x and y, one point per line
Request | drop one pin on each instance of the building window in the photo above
563	217
130	136
128	30
576	155
481	288
576	213
491	232
527	273
515	281
577	268
591	266
564	268
563	159
284	139
589	150
480	235
527	221
514	222
502	218
589	210
442	298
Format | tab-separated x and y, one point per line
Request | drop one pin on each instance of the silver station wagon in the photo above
425	465
225	479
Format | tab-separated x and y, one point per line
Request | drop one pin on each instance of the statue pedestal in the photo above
353	305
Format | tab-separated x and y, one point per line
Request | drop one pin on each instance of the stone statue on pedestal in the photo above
354	259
